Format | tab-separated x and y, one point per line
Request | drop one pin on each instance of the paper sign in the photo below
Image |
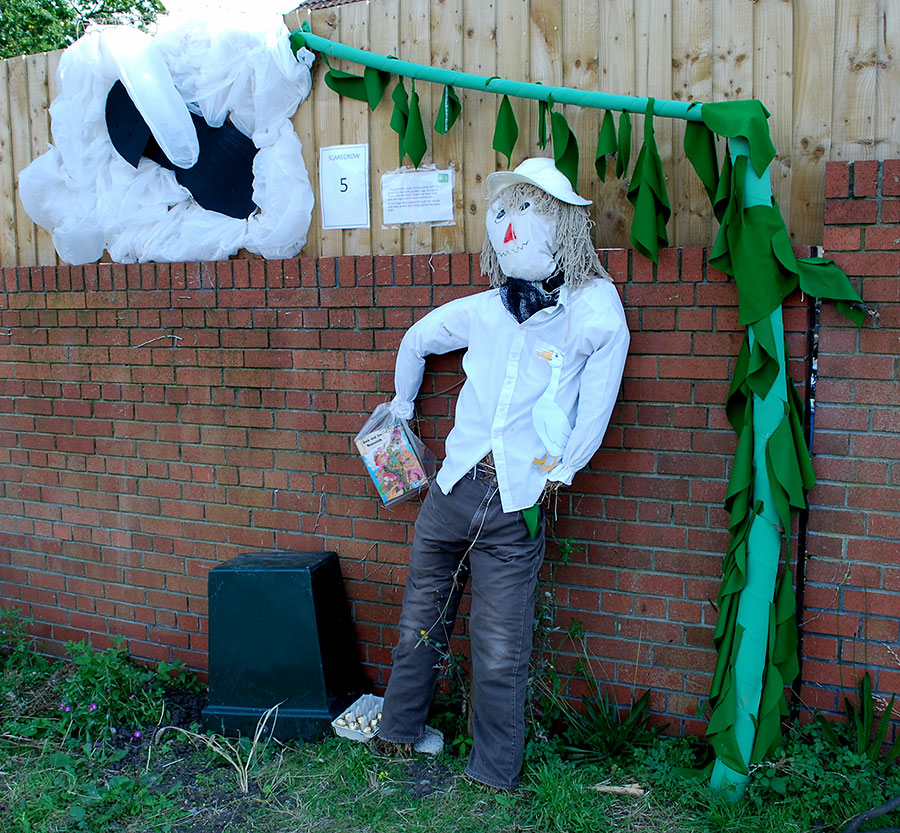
344	186
417	196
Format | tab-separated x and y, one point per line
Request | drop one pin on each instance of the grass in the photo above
58	775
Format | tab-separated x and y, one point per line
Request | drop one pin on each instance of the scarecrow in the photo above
545	349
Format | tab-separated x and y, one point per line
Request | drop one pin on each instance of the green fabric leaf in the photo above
752	247
647	193
565	148
375	82
724	195
414	138
532	517
822	278
400	114
347	84
406	121
606	144
448	110
700	149
506	131
623	152
543	115
763	367
746	119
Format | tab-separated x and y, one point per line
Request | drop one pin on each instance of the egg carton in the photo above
369	707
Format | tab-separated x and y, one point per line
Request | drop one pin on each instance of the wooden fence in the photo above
828	71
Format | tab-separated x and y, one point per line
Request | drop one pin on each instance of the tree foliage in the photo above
29	26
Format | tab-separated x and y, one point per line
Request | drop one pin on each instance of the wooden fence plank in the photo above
22	154
9	250
415	45
480	114
384	32
514	62
447	149
773	52
39	118
732	29
354	22
887	80
304	124
617	75
653	75
581	69
326	22
813	26
691	223
855	60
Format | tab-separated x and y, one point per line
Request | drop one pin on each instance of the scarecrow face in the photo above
523	238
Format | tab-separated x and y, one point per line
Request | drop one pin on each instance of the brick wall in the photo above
157	420
853	571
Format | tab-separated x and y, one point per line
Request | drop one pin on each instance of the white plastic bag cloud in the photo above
91	199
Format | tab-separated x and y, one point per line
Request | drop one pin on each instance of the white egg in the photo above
348	717
367	730
340	722
373	722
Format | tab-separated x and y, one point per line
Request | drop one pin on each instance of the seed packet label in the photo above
393	464
344	186
424	195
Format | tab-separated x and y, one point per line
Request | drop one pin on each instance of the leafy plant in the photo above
450	708
106	693
16	644
600	732
861	723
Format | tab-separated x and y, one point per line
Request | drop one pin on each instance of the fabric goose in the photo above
550	421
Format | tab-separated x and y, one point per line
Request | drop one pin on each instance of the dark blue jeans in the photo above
457	535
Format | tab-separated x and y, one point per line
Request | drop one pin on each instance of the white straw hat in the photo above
540	171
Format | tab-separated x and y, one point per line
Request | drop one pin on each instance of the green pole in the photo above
764	540
500	86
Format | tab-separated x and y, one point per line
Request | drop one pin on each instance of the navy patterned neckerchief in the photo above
524	298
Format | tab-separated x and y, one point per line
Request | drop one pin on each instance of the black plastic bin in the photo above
280	632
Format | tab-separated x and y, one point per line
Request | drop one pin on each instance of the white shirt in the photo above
561	368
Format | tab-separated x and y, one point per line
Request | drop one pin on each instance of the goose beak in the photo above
546	354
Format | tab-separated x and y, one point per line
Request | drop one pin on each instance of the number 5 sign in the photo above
344	186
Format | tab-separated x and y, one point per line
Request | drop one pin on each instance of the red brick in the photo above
865	178
890	211
837	179
842	238
883	237
850	212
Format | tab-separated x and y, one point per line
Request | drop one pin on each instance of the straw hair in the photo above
575	254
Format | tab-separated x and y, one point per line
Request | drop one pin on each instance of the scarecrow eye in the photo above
525	205
500	214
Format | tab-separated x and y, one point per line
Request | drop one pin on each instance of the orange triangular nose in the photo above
510	234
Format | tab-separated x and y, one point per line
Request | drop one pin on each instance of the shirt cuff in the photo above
562	474
401	408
